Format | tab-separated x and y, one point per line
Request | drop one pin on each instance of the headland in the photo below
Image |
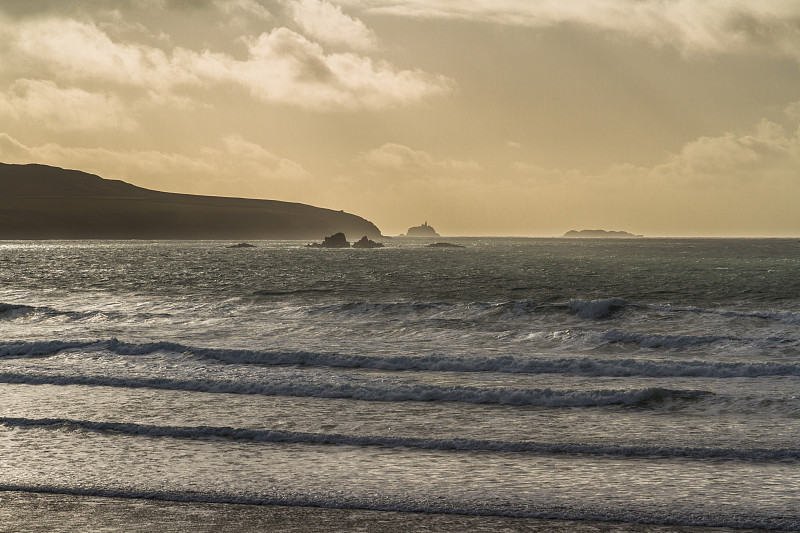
45	202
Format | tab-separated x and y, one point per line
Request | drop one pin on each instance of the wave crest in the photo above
455	444
381	391
506	364
596	308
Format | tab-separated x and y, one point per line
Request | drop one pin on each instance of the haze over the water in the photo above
487	117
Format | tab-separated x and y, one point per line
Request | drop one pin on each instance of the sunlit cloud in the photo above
691	26
326	23
282	67
286	67
76	51
768	152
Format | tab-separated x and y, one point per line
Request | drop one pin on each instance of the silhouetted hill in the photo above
43	202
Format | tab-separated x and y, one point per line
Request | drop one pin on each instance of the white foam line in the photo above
456	444
586	366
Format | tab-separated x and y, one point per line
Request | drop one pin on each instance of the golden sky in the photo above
483	117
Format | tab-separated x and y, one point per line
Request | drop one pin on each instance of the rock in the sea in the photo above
422	231
242	245
600	234
444	245
337	240
367	243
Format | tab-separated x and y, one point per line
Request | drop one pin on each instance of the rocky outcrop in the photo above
422	231
241	245
367	243
337	240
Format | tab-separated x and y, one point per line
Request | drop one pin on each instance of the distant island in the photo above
422	231
44	202
600	234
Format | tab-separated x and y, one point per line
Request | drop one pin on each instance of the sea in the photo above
508	384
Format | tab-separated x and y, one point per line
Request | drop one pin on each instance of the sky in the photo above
481	117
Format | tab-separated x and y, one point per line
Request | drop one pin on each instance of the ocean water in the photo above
628	382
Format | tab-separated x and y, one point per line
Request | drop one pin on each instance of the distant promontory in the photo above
44	202
600	234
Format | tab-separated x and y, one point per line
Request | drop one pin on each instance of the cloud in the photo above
234	167
327	24
248	8
13	151
765	155
240	14
49	106
691	26
286	67
77	51
793	110
398	158
253	159
281	67
768	152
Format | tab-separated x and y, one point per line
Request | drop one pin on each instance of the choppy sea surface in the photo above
646	381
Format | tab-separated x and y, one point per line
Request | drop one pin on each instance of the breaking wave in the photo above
41	348
10	311
596	308
15	311
584	366
604	308
651	340
379	391
455	444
